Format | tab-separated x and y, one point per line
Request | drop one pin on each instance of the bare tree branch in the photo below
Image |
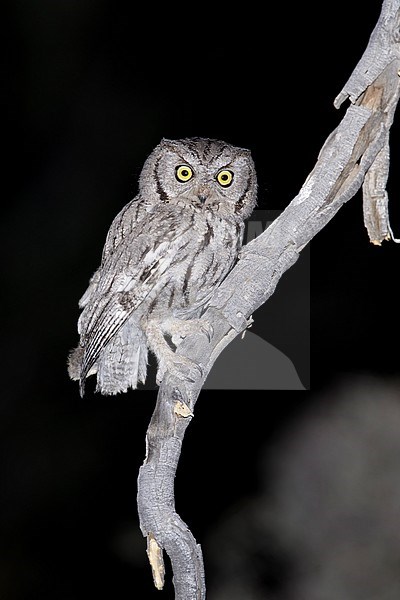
378	72
355	154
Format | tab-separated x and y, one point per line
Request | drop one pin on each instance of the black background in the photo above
93	86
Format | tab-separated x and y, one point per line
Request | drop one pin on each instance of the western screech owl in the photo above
165	253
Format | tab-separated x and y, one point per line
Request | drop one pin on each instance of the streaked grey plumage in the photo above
165	253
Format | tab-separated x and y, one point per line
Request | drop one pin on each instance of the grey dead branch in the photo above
356	154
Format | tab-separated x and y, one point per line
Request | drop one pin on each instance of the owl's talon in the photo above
208	330
179	329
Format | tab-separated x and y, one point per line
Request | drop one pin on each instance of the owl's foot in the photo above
178	329
179	366
168	361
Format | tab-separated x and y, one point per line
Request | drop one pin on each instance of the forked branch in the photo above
355	155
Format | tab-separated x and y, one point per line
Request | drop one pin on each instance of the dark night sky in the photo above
94	86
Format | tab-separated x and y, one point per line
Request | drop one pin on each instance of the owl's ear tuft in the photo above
168	144
245	151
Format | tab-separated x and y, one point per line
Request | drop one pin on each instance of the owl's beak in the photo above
202	193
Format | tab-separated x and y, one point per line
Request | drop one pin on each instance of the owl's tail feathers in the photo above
75	361
120	366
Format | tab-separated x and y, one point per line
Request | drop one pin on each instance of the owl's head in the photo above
201	174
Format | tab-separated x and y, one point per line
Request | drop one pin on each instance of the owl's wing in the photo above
139	267
120	228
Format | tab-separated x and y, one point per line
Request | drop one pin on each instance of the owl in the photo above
164	255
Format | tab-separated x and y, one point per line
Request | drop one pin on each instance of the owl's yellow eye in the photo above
225	177
183	173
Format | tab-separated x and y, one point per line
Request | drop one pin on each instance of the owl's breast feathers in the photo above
156	264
